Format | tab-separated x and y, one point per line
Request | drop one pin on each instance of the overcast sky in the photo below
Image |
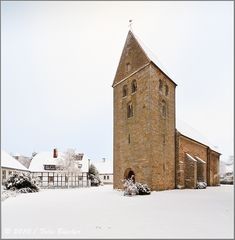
59	60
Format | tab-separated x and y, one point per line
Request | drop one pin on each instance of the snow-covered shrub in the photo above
25	190
131	188
143	189
227	179
7	193
24	181
95	181
201	185
94	176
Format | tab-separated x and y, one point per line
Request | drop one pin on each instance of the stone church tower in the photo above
144	119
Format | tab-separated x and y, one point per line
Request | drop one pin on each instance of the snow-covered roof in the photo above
229	168
7	161
190	157
188	131
104	166
199	159
85	164
46	158
226	167
151	56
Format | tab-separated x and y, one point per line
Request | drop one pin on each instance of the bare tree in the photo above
69	163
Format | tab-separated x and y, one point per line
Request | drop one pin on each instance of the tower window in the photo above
129	138
166	90
124	91
128	67
129	110
133	86
164	139
163	108
160	85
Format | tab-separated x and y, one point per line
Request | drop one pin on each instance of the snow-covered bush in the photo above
131	188
95	181
94	176
201	185
22	181
143	189
227	179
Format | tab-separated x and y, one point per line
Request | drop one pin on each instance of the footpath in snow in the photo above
101	212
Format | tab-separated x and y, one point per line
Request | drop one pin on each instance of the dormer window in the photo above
133	86
128	67
124	91
49	167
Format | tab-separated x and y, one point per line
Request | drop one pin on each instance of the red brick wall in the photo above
185	145
213	176
190	172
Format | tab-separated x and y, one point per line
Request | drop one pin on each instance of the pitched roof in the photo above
46	158
7	161
188	131
149	57
189	157
200	160
104	166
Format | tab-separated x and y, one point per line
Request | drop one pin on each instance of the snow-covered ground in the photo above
101	212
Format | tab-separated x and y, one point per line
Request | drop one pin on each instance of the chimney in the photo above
55	153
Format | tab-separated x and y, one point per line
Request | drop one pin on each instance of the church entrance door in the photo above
129	174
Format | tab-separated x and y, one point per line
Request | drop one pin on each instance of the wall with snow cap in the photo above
206	162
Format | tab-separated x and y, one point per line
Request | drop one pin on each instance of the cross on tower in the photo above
130	24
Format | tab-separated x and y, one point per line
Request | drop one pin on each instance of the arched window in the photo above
160	85
166	90
129	110
163	108
133	86
128	67
124	91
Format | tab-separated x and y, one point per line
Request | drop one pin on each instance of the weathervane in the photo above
130	24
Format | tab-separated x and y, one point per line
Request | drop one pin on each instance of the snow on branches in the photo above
22	182
131	188
201	185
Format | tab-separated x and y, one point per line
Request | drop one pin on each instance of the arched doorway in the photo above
129	174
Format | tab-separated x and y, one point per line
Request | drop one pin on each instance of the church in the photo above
148	144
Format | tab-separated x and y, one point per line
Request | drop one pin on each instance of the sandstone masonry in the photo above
146	142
